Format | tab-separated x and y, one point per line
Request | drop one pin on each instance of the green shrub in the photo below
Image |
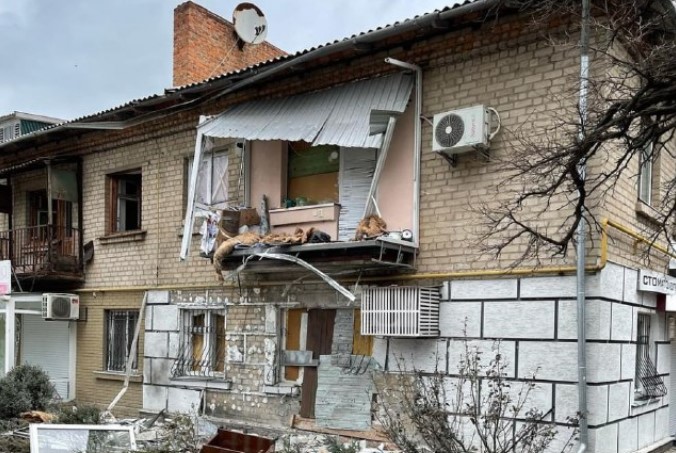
13	399
85	415
32	380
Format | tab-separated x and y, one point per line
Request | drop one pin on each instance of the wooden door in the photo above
319	340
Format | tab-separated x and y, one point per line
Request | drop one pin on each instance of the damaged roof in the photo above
188	96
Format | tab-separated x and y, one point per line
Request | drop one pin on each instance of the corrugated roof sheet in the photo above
336	116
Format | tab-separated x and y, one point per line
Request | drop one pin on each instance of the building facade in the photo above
336	131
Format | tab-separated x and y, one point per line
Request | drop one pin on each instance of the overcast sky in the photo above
71	58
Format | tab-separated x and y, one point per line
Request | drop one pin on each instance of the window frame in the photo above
646	175
286	370
114	198
186	364
131	317
645	370
299	151
221	152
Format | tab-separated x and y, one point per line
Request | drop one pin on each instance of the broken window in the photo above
38	211
313	174
202	349
124	201
211	190
120	328
647	382
48	438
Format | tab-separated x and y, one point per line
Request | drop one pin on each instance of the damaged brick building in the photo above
103	205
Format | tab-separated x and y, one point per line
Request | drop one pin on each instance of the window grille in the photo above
400	311
120	326
651	384
202	348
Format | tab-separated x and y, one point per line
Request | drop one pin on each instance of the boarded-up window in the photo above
293	340
202	351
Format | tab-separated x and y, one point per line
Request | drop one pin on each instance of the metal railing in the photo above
42	249
201	354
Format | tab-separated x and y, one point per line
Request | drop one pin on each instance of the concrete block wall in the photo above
250	362
533	321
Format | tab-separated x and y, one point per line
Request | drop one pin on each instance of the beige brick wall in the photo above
512	69
97	388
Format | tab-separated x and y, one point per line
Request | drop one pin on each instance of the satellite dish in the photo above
250	23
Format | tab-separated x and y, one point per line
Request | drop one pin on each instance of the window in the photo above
202	350
211	191
120	334
647	383
38	214
313	174
645	177
124	210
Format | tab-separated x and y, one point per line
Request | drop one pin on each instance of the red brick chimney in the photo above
205	45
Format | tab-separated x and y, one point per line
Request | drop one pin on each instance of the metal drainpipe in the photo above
581	242
417	143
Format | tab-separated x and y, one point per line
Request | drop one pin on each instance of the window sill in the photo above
282	389
640	401
122	237
219	381
118	376
647	212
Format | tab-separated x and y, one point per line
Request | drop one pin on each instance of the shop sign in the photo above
656	282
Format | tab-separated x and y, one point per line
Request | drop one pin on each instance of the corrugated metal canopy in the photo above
336	116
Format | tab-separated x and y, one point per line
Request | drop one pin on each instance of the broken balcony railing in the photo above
652	382
42	249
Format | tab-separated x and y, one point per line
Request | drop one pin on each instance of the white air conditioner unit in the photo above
460	131
400	311
60	307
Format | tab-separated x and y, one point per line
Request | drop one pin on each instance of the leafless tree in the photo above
477	409
631	118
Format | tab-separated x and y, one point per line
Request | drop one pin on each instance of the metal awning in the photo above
336	116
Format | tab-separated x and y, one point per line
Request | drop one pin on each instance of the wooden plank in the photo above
310	425
361	344
293	325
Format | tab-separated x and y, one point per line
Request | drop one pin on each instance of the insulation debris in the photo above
273	239
38	417
370	227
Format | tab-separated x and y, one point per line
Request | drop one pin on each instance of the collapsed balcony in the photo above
321	163
376	256
43	252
